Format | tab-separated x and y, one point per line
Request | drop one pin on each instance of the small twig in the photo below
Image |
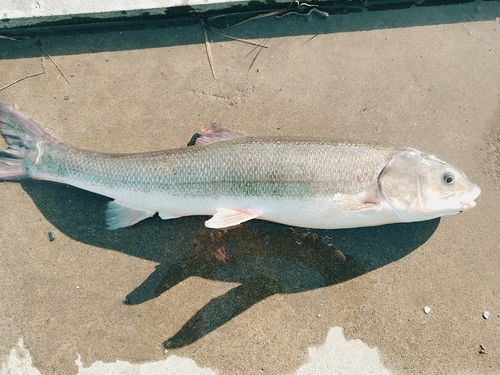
9	38
253	49
237	39
207	48
57	66
311	38
320	12
255	58
299	4
262	15
25	77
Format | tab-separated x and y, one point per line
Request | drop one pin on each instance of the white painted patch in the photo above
339	356
336	356
173	365
18	362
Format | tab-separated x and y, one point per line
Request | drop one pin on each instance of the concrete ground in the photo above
284	302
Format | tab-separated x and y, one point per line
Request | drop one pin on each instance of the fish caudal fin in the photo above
22	136
11	169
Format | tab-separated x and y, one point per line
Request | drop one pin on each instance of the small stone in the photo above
52	236
427	309
486	314
340	255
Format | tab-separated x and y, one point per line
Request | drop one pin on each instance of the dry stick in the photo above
9	38
207	47
25	77
311	38
53	62
255	58
249	53
268	14
237	39
320	12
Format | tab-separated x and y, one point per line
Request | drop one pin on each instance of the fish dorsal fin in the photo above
227	217
213	133
120	216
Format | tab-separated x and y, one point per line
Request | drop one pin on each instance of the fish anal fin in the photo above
166	216
120	216
348	203
213	133
227	217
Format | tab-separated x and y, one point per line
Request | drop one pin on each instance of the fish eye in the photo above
448	178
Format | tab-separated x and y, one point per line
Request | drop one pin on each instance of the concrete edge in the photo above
27	16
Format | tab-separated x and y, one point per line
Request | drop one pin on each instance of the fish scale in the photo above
236	168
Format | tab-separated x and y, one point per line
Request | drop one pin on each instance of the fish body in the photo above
235	177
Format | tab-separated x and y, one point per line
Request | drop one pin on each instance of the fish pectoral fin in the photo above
228	217
120	216
347	203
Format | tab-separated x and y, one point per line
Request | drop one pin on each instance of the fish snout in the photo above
468	205
469	202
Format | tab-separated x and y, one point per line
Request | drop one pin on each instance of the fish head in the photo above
420	186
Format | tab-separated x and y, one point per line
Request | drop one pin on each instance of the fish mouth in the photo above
467	205
470	203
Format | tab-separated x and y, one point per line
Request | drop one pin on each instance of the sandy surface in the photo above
269	311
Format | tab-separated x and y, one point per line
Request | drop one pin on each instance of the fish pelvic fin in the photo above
227	217
120	216
23	137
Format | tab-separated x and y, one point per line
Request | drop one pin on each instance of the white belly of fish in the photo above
317	213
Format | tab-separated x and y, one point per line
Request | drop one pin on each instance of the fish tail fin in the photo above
22	136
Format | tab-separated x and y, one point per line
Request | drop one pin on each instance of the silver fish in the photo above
236	177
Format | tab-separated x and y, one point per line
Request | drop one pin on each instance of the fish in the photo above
235	177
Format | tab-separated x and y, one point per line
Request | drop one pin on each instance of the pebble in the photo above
486	314
427	309
52	236
340	255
